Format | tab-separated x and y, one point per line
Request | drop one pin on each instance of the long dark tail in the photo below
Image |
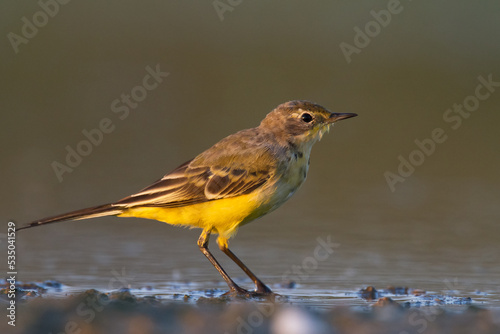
97	211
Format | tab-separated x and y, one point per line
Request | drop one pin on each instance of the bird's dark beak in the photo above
335	117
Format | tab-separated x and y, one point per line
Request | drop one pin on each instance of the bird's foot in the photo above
262	288
260	292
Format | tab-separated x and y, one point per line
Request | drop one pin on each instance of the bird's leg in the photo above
260	287
203	244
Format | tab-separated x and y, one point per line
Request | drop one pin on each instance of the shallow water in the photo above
315	296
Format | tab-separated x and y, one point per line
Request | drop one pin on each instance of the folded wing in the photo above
207	177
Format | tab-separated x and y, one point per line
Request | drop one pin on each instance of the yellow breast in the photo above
291	178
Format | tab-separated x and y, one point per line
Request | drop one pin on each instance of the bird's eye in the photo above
306	117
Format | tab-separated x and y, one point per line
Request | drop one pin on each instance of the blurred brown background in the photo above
225	75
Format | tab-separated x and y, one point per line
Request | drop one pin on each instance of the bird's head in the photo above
301	121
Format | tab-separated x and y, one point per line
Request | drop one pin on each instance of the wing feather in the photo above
217	173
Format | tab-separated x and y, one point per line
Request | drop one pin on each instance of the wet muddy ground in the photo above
52	307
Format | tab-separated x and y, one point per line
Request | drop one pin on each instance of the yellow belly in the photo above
223	216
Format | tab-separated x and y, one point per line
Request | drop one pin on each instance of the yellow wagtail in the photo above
239	179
